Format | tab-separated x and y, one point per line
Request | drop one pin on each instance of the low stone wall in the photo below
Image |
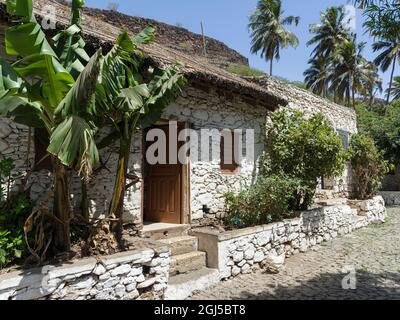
392	198
130	275
240	251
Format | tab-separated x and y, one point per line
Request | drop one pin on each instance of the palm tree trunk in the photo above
391	79
270	67
353	97
61	209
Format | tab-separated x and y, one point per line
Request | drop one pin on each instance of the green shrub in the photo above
14	210
11	247
304	150
382	123
246	71
368	165
264	202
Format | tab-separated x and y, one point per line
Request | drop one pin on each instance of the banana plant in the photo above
51	85
132	96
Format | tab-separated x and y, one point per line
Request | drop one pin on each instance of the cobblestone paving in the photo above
373	253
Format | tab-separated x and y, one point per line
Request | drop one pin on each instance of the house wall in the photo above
202	108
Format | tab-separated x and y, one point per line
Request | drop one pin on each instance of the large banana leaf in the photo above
10	81
133	99
163	89
27	39
73	143
146	36
79	98
22	111
70	48
21	8
118	69
73	139
55	80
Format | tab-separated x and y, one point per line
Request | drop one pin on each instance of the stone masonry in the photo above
201	109
241	251
124	276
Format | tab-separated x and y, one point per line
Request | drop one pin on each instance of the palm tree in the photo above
267	30
373	84
395	88
329	33
316	76
389	56
350	71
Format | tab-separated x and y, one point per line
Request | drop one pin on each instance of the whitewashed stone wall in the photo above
124	276
203	109
14	144
215	110
240	251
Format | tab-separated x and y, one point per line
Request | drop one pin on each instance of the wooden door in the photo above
163	192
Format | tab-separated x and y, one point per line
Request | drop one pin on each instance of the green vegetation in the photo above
246	71
264	202
368	166
14	210
382	122
54	84
303	149
268	33
338	69
299	152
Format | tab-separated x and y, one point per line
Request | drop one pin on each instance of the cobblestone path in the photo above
371	254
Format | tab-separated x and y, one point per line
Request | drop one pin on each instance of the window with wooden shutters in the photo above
228	161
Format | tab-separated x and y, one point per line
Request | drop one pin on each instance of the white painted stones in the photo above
274	263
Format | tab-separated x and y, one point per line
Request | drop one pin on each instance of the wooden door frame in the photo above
185	211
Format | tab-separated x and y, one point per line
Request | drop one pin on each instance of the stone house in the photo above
213	99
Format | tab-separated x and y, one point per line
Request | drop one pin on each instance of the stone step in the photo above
183	286
181	245
187	262
160	231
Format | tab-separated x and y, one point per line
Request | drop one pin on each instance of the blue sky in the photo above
227	20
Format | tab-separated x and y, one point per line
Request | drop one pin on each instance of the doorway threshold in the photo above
162	230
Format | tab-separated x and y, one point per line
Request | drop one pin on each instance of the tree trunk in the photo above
391	79
270	66
84	200
117	202
61	209
353	97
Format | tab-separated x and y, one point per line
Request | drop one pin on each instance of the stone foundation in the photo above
124	276
240	251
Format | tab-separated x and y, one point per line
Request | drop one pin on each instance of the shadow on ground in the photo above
328	286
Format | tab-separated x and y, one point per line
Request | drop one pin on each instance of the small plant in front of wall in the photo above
14	210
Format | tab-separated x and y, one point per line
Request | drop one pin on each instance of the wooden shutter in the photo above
226	150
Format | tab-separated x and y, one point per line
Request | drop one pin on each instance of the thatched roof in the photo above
195	68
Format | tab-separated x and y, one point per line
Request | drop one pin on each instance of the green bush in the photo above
304	150
369	166
264	202
14	210
246	71
382	123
